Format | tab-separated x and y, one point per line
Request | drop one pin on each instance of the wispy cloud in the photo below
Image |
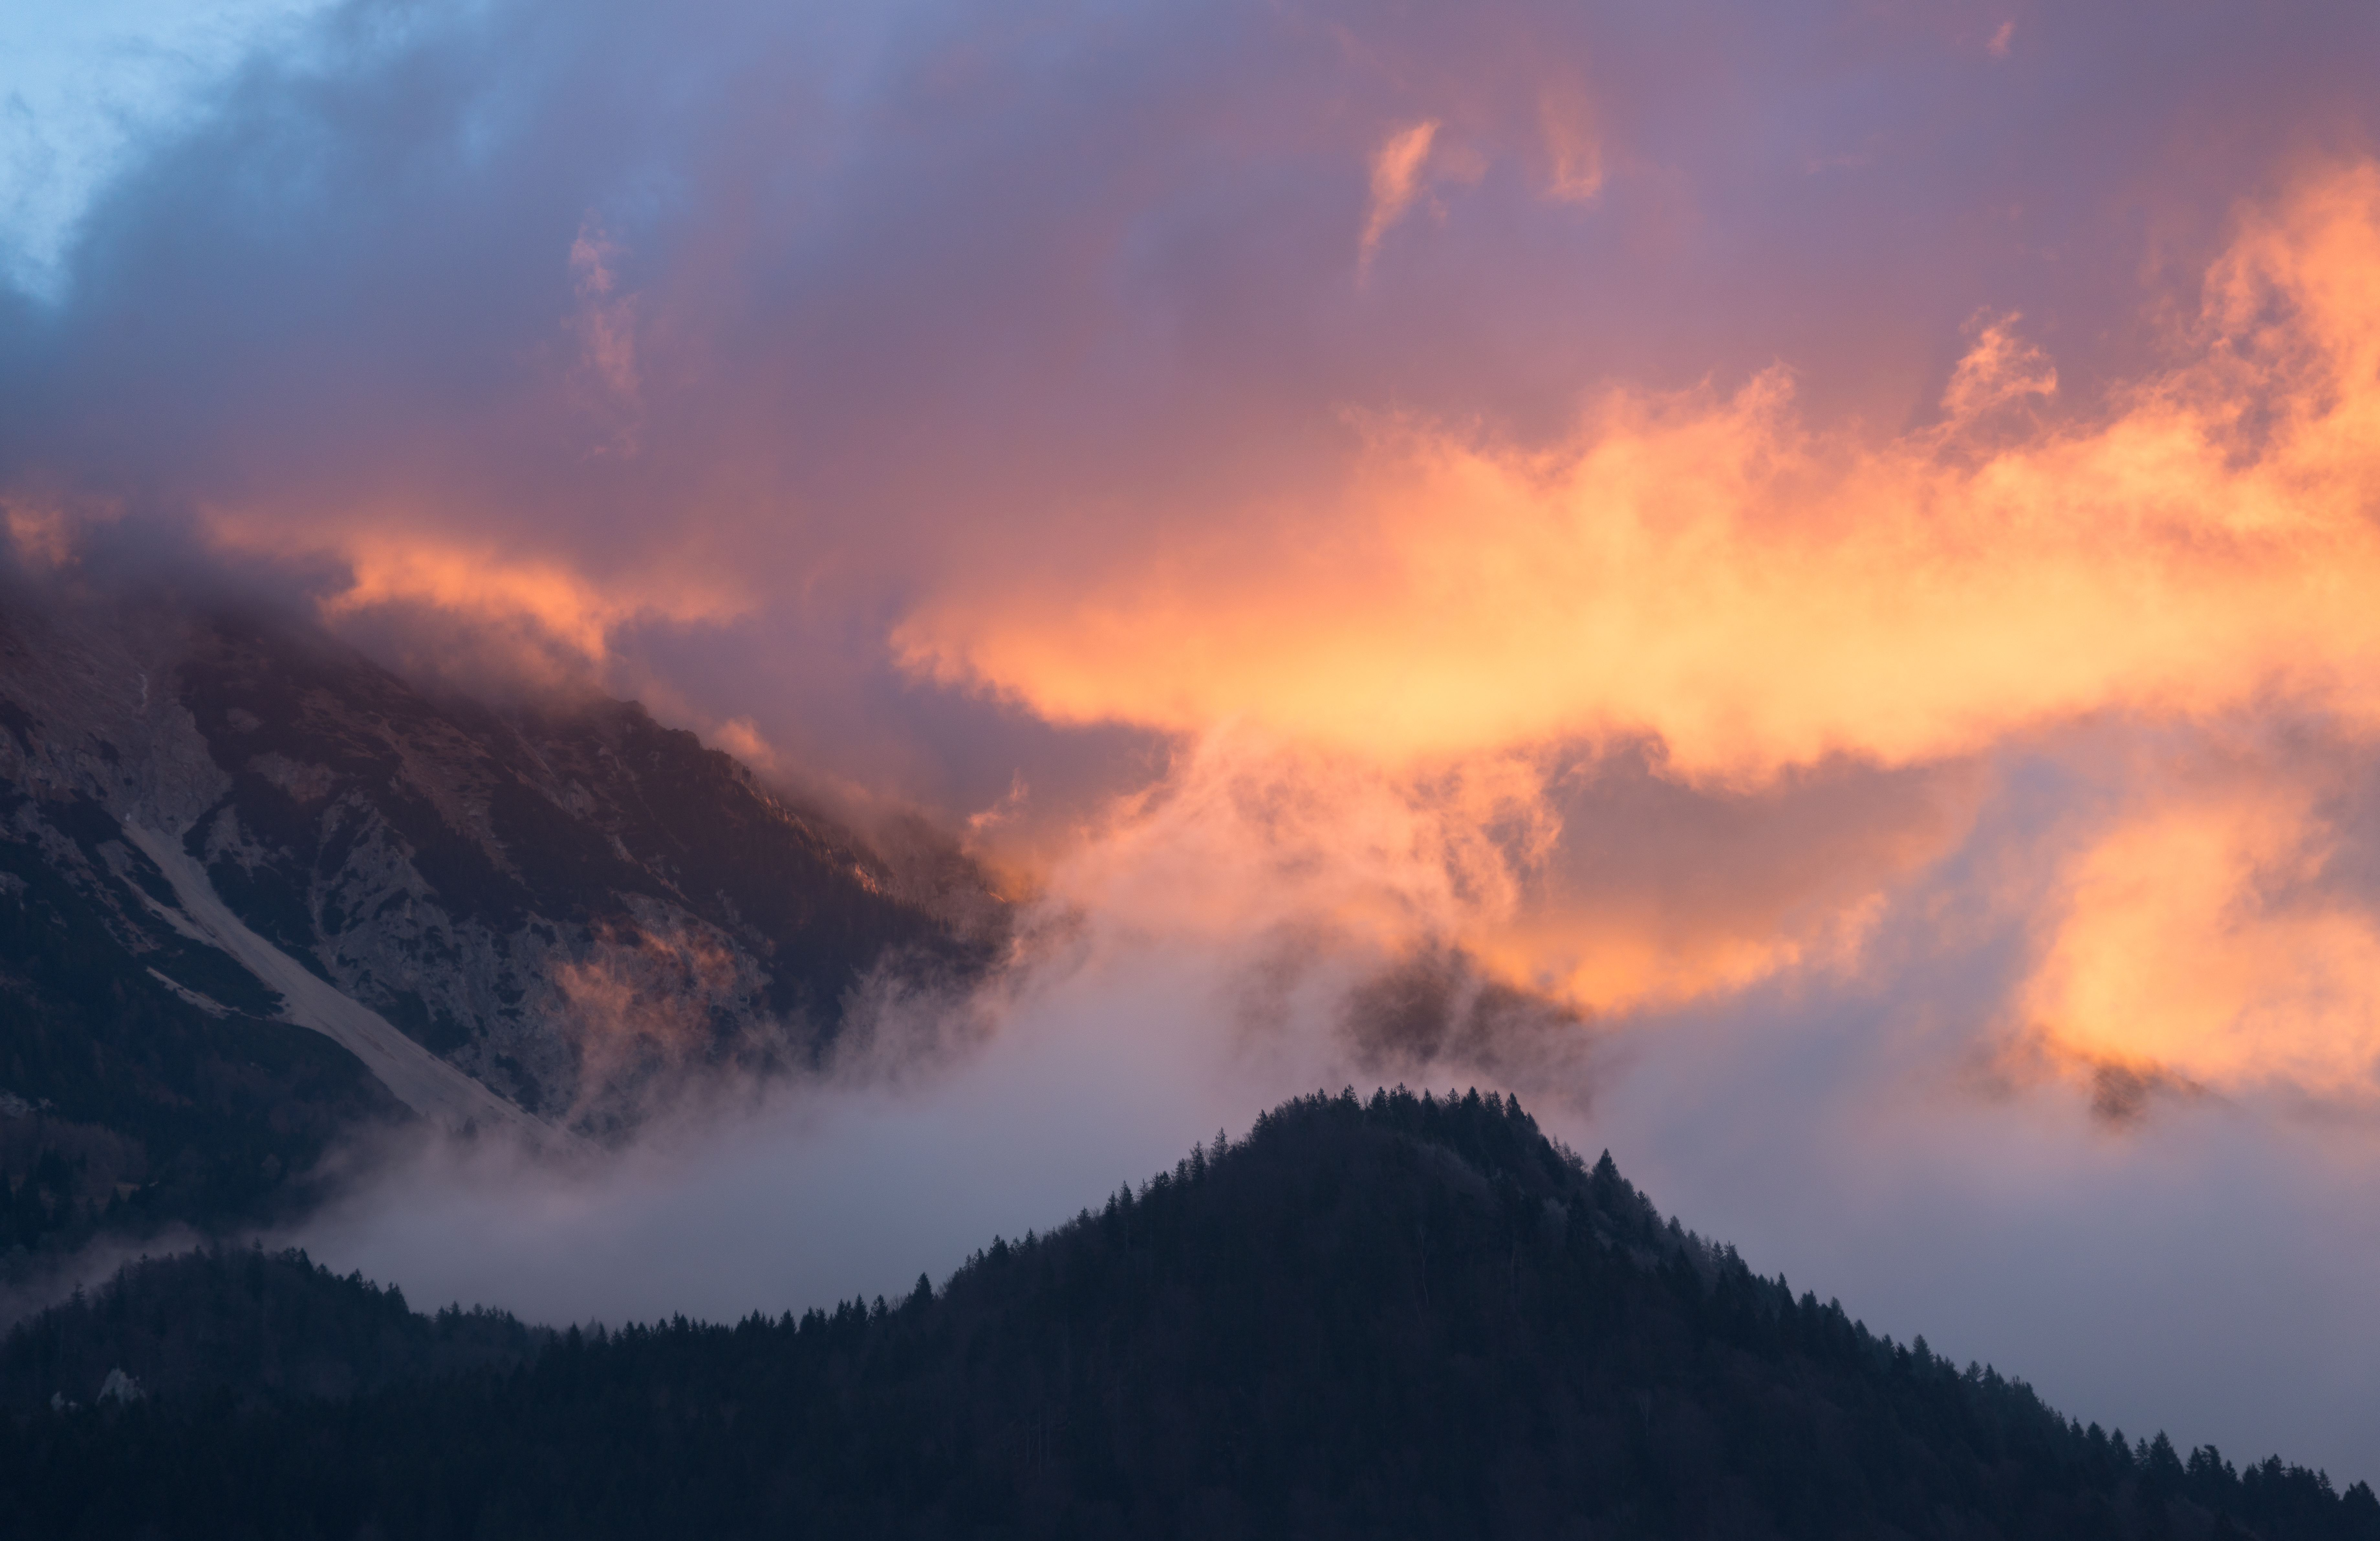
1396	181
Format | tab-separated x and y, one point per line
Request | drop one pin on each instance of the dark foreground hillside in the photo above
1405	1317
243	1329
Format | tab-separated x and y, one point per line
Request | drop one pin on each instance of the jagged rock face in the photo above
570	902
145	1077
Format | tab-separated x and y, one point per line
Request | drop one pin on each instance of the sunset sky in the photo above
1800	584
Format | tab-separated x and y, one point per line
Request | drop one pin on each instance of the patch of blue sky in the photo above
84	83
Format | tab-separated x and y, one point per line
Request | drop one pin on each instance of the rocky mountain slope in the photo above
216	827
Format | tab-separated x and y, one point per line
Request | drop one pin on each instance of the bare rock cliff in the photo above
566	906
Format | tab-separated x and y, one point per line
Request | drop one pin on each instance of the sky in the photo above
1790	583
82	87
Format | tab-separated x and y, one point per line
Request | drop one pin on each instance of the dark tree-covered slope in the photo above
243	1326
1402	1318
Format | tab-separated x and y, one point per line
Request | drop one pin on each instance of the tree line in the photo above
1401	1315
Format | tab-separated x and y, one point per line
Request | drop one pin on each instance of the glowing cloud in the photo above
1396	180
391	562
1641	594
1755	593
2207	932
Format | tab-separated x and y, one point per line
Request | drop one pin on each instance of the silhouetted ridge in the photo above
250	1326
1405	1316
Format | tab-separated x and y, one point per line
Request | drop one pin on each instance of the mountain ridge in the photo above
219	826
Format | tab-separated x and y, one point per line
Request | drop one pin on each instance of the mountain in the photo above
257	892
1405	1316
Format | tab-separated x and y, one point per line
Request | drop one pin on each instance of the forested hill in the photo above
1402	1318
243	1328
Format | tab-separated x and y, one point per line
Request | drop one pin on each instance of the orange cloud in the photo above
40	536
2198	936
1603	886
393	562
2002	368
1396	180
1249	832
1382	672
644	999
1755	593
1660	893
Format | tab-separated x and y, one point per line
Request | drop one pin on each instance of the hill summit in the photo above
1405	1316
